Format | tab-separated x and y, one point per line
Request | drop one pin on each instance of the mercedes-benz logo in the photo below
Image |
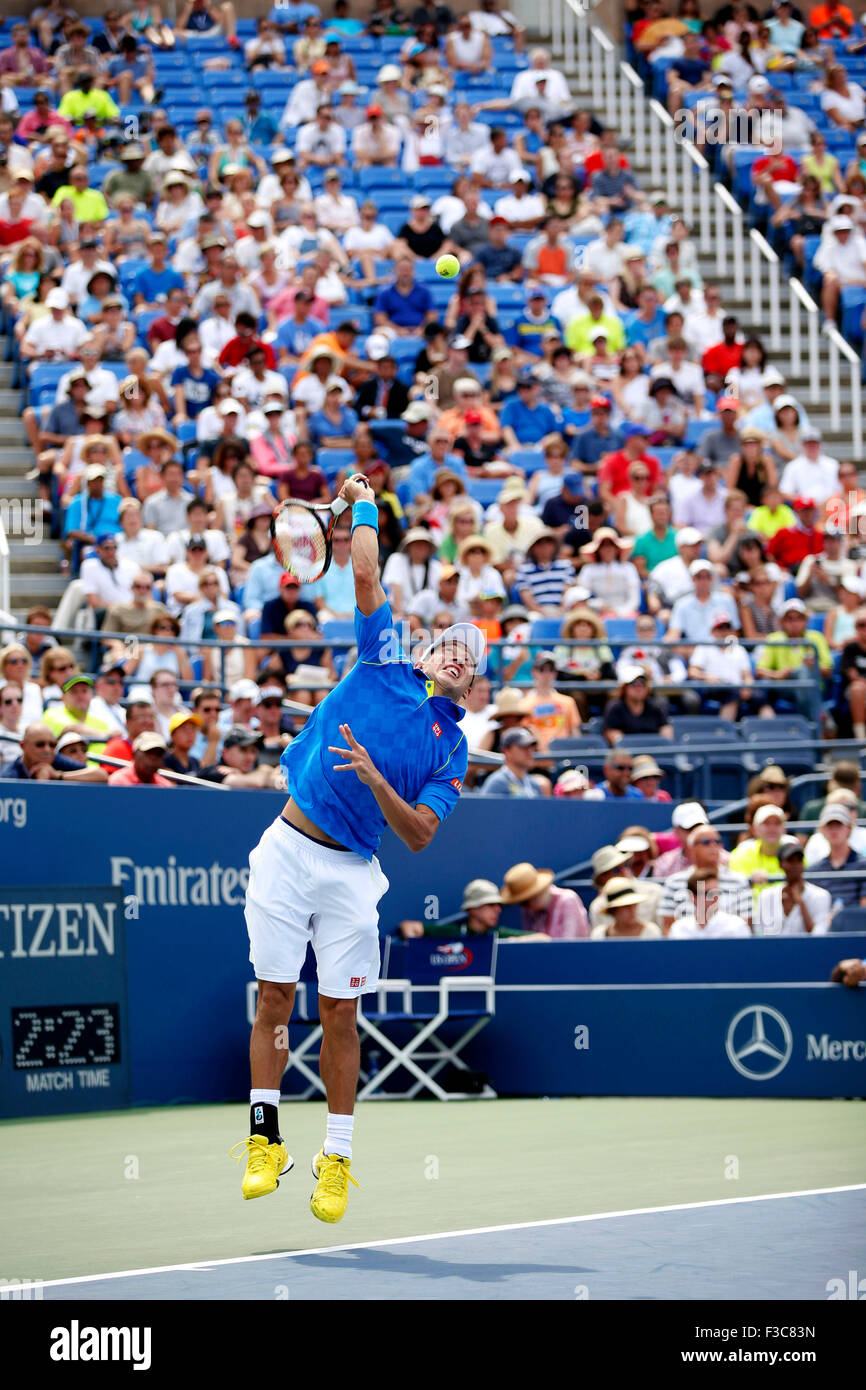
762	1047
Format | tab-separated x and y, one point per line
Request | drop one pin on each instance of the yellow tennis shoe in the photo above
331	1197
266	1164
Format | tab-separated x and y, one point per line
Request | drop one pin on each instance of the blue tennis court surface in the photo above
782	1246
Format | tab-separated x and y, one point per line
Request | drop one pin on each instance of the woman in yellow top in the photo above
758	857
823	165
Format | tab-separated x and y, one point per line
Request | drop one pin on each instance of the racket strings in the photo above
300	542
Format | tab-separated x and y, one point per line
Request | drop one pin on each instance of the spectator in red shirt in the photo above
148	753
594	162
720	359
139	720
776	176
613	473
790	546
236	349
164	329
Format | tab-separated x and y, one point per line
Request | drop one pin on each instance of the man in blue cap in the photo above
529	328
525	419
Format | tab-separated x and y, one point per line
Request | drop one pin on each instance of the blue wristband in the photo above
365	514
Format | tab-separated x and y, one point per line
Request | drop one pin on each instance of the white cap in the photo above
835	811
244	690
258	219
630	672
793	605
469	636
688	815
389	73
700	567
57	299
838	224
772	377
758	83
767	813
377	346
228	406
576	594
689	535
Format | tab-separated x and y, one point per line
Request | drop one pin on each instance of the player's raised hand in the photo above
358	760
357	489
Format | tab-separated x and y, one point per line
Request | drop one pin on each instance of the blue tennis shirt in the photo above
410	734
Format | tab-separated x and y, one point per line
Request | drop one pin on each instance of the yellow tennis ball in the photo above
447	267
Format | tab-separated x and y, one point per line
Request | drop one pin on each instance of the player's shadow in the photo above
402	1265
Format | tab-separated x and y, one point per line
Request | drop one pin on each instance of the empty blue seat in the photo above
332	460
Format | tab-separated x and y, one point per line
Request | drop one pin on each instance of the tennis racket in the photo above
301	533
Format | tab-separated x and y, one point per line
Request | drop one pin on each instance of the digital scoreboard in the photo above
63	1001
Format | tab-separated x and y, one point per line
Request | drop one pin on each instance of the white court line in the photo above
438	1235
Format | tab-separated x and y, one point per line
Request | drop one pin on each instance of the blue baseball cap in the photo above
536	292
573	481
630	430
105	536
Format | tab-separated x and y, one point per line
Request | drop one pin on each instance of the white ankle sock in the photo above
338	1139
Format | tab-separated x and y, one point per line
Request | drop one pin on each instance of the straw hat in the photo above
509	701
523	881
606	533
606	858
417	533
159	436
475	543
93	441
583	615
445	475
619	892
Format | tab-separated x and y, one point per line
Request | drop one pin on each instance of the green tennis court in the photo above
146	1189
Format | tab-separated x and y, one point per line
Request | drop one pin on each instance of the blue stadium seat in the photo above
849	919
545	629
783	729
332	460
484	491
621	629
530	460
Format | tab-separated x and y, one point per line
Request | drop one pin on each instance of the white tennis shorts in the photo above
301	891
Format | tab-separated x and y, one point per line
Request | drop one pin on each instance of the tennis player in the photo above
384	747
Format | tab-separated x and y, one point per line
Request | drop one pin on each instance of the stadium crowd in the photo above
574	445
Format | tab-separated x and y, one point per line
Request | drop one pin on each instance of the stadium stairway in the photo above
34	564
837	444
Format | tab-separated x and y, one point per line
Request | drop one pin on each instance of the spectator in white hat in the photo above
842	261
684	819
620	904
691	617
812	473
56	336
725	665
835	824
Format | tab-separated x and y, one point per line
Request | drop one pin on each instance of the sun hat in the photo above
607	858
480	892
523	881
620	892
606	533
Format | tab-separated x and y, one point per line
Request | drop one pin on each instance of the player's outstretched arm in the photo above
369	594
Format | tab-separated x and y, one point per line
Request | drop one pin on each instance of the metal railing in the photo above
764	258
716	217
801	302
838	348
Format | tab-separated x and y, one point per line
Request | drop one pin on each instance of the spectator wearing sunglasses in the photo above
16	664
705	850
11	705
39	761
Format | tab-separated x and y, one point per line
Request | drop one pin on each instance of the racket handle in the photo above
338	506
